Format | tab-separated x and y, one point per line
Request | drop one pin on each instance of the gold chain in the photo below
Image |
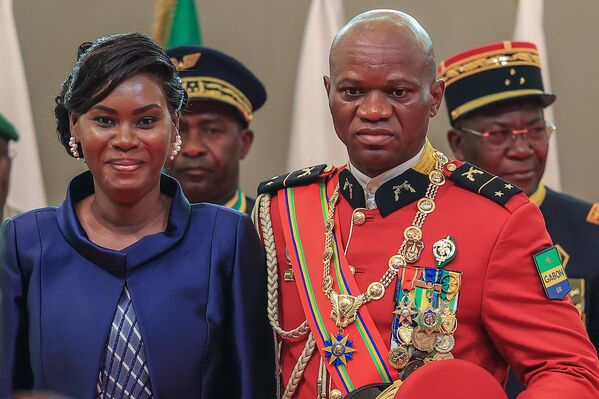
345	307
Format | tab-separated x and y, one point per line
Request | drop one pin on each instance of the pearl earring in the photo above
176	146
74	147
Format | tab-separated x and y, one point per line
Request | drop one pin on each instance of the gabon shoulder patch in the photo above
553	276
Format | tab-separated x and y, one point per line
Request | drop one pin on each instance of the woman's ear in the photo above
175	128
74	125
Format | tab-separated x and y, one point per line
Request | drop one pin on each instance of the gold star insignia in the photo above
406	313
339	350
498	194
509	186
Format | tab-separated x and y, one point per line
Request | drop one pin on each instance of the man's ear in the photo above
327	84
436	91
456	142
247	138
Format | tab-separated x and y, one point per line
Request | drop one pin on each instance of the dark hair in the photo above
105	63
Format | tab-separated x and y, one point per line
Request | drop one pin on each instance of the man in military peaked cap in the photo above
223	96
495	99
7	133
403	257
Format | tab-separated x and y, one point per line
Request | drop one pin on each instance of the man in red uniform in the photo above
403	257
496	114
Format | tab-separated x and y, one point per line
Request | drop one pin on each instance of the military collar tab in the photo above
391	195
401	191
351	189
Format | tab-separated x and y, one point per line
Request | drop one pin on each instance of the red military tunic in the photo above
504	316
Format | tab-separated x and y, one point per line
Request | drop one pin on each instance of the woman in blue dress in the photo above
127	290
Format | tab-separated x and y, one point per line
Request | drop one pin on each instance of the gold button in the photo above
335	394
328	169
451	167
359	218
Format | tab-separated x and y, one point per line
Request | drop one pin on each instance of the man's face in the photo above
4	172
214	142
381	95
521	162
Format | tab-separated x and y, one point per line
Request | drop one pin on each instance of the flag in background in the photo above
529	27
313	139
176	24
27	186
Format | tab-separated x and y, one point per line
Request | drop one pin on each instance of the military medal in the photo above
445	343
423	340
405	333
449	323
429	321
444	251
398	357
339	349
407	314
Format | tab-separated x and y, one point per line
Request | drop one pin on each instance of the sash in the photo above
303	211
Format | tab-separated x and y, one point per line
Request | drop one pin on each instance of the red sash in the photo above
303	211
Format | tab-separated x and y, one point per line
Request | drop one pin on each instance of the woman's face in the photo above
125	138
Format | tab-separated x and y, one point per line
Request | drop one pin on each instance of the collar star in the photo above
498	194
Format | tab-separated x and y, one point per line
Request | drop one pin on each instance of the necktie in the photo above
124	373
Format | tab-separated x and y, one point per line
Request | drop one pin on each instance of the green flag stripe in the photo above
185	28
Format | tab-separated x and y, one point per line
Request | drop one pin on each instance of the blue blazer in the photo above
198	289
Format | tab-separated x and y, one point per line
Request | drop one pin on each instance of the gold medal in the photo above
398	357
449	323
405	334
445	343
412	233
376	290
426	205
424	341
396	261
436	177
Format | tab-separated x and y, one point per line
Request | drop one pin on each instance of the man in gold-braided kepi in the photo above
495	100
404	257
215	127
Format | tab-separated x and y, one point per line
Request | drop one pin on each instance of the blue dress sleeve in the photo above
246	353
15	368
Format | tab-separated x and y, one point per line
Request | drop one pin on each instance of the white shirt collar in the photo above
370	185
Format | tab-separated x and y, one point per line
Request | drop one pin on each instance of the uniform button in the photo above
451	167
359	218
336	394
